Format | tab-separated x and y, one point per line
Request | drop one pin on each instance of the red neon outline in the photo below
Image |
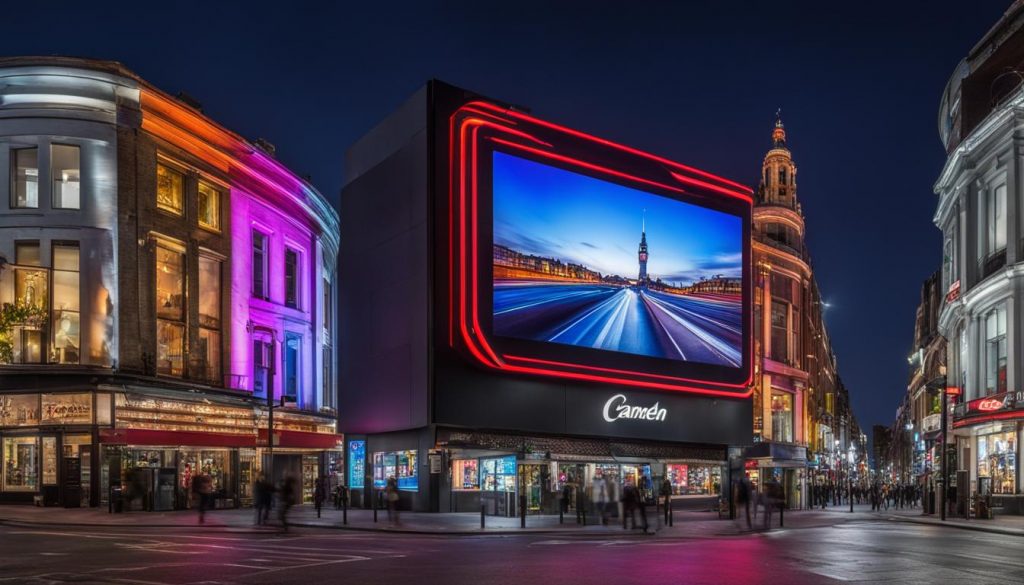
988	418
517	358
586	165
477	336
507	112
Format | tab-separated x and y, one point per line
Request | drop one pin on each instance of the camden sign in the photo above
618	407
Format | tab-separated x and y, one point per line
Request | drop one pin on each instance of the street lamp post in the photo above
941	385
849	475
945	430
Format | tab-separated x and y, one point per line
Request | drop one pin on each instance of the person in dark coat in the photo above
287	498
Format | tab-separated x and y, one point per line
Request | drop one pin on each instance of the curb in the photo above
975	528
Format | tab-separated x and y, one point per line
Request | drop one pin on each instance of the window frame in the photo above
218	194
292	284
996	351
289	338
180	172
53	182
14	177
207	326
52	337
179	323
263	264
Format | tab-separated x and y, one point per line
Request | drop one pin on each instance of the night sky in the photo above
858	84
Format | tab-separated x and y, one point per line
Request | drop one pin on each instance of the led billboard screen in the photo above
575	257
592	263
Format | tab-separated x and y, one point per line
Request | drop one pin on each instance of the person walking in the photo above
285	500
391	492
202	487
743	496
319	495
261	496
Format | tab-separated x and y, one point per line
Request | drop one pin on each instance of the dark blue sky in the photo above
551	212
858	83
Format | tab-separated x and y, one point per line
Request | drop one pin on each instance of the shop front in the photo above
141	448
499	472
988	447
48	446
782	467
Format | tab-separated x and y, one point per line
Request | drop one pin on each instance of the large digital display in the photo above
574	257
591	263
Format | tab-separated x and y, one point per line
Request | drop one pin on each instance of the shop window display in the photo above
19	410
214	463
465	474
997	460
688	479
21	464
402	465
498	474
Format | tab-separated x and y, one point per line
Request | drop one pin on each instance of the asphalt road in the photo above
876	551
690	328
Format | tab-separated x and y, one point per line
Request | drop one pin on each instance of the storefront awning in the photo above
174	438
303	440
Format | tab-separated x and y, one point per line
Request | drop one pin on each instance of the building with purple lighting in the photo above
166	286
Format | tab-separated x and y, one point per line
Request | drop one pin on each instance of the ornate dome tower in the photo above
778	173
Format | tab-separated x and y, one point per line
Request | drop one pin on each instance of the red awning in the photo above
303	440
171	438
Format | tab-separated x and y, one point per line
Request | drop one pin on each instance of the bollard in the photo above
561	513
482	508
668	504
522	511
670	514
374	498
344	511
782	511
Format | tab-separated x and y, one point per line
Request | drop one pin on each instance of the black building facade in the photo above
456	435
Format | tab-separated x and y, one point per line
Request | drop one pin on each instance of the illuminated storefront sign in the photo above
1008	405
356	464
617	408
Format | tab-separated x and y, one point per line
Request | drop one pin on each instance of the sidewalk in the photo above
686	524
1001	524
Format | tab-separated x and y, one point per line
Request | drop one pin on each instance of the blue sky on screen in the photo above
551	212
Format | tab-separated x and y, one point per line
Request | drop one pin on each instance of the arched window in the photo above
782	175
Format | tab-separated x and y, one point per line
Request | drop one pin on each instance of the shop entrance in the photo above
535	479
76	471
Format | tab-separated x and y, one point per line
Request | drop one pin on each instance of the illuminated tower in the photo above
778	181
642	252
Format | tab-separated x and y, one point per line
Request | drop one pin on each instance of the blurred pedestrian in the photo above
285	500
263	495
202	490
319	495
392	498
